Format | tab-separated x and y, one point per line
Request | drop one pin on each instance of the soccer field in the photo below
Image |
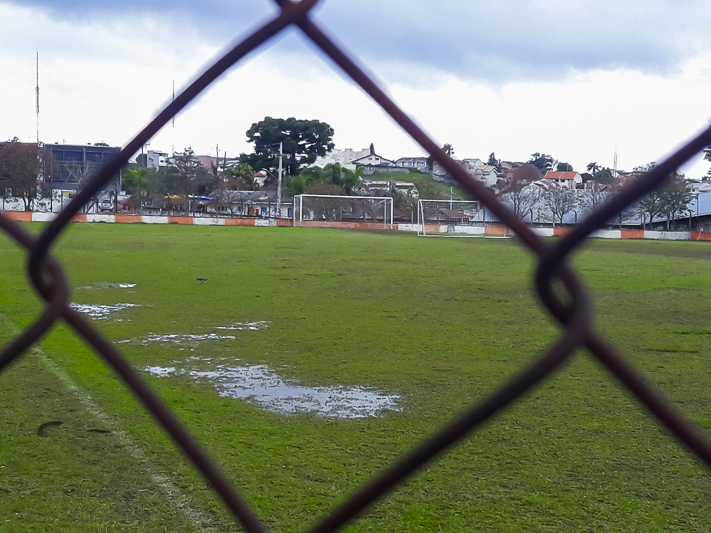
310	359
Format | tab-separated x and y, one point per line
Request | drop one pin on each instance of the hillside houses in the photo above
370	162
483	172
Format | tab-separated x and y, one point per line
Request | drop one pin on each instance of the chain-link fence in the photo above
572	312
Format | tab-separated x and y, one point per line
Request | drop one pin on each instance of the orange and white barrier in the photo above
491	230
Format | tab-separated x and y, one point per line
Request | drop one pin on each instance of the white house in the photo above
372	163
373	159
569	180
343	157
152	159
418	163
385	187
484	173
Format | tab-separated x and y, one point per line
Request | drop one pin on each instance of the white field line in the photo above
177	499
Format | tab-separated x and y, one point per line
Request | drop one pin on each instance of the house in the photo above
484	173
343	157
260	177
72	164
406	188
372	163
696	186
569	180
388	187
439	173
220	164
152	159
417	163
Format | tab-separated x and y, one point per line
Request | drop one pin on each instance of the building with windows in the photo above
71	165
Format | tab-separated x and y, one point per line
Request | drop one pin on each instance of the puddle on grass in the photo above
177	338
253	326
191	340
100	312
104	285
259	384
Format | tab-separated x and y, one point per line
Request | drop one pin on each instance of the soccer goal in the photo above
351	211
452	218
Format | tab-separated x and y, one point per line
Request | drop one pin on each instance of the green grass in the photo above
442	322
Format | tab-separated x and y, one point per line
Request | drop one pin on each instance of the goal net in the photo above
450	218
351	211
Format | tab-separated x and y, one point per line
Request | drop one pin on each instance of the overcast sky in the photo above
576	80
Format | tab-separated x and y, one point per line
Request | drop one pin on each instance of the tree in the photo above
302	142
517	189
593	168
326	208
542	162
141	184
596	194
600	188
239	178
677	196
332	174
184	176
651	206
560	201
81	172
644	168
564	167
325	188
668	200
604	176
20	168
493	161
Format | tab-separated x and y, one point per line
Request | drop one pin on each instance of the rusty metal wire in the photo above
573	314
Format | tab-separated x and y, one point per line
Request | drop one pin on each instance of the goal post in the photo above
452	218
331	210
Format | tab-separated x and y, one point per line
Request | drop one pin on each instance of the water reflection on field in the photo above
259	384
100	312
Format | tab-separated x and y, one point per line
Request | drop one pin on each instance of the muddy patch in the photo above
261	385
100	312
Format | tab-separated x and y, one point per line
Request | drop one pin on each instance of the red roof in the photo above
560	175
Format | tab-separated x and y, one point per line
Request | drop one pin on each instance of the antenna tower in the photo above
37	97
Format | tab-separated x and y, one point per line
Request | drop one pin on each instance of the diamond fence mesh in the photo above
571	312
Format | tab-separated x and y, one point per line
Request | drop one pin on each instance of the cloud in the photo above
508	77
490	41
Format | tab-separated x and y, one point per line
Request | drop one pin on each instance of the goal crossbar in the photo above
455	218
334	208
